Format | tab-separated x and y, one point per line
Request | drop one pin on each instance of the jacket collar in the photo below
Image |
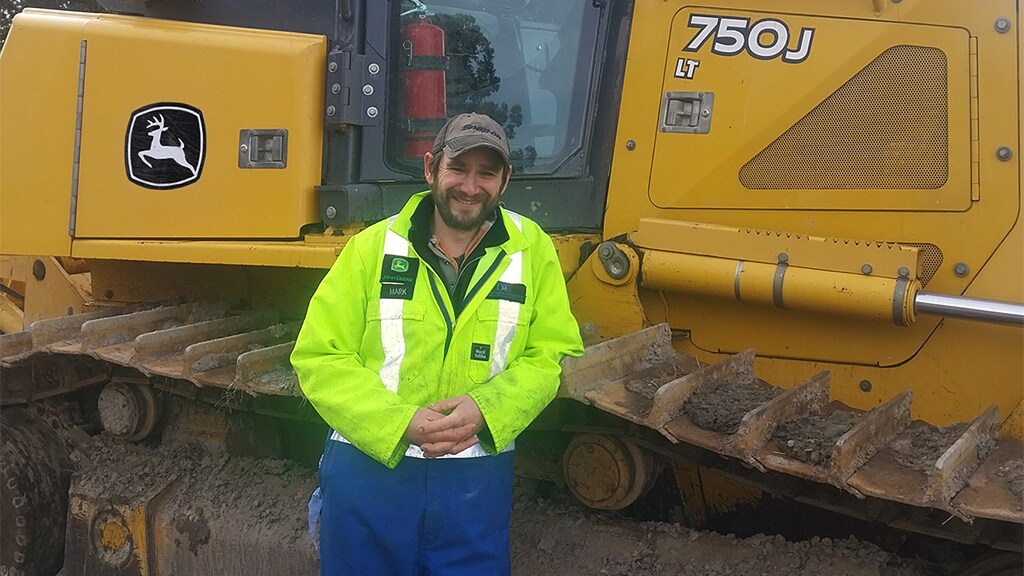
404	220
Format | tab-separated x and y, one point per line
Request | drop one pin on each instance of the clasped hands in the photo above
445	427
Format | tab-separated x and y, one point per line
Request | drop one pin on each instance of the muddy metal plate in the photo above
205	343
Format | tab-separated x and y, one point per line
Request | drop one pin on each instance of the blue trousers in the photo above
424	518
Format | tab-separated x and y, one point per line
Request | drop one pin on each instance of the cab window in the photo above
527	63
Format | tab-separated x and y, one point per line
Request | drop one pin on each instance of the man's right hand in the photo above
437	442
414	431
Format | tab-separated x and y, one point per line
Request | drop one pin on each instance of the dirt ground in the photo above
552	534
556	536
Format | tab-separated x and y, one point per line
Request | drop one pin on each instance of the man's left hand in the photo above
462	417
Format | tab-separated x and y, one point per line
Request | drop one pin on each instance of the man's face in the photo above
467	188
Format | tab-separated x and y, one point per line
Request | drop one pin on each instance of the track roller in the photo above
607	472
128	410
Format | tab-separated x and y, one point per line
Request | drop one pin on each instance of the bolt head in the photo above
333	66
1002	25
904	272
866	269
865	385
630	145
331	110
331	212
335	88
783	257
367	89
372	112
1004	153
244	148
374	68
961	269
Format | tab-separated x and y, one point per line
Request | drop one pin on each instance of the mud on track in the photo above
553	535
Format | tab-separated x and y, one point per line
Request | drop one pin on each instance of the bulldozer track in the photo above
202	343
967	471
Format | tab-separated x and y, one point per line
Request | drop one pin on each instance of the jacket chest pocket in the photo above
499	336
394	333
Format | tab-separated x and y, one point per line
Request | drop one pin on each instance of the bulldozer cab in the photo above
532	66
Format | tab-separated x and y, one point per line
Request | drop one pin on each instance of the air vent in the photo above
885	128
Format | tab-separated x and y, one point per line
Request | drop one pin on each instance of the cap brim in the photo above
451	152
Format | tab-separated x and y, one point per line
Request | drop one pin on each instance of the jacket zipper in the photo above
483	279
449	320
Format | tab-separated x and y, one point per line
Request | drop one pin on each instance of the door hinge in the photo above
355	89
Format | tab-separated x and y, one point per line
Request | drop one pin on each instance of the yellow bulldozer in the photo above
791	233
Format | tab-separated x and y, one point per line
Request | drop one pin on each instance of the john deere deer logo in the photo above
165	146
161	152
399	265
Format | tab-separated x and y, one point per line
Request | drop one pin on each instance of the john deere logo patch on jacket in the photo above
399	265
399	269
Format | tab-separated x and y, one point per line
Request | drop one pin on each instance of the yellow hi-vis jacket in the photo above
381	339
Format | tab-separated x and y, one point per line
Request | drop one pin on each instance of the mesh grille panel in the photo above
884	129
931	259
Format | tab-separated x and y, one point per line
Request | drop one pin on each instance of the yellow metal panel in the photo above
966	237
317	251
239	79
38	91
971	237
963	368
54	295
757	100
287	254
15	268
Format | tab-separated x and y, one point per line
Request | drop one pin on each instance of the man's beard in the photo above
442	201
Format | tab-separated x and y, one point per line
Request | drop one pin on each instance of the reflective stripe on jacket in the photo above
380	339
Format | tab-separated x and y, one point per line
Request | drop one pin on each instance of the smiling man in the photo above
431	344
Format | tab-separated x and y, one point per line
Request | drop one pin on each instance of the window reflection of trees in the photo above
507	84
471	80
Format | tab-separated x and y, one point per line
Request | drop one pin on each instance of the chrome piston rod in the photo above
965	308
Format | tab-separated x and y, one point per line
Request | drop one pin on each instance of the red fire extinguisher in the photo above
424	92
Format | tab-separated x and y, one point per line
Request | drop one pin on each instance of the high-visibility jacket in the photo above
381	340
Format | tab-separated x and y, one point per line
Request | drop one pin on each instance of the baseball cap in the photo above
468	131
